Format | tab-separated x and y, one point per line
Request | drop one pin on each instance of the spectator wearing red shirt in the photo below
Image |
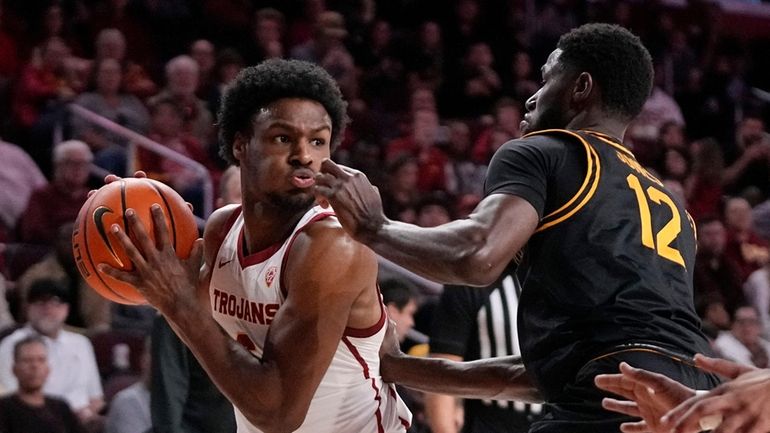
59	202
422	144
747	249
703	187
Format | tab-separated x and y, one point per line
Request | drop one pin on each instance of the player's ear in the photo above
584	86
239	145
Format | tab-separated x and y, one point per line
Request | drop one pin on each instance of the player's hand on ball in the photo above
649	397
354	199
166	281
114	177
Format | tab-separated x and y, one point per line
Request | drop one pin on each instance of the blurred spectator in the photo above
744	247
743	343
703	187
19	177
751	164
757	291
507	118
130	408
88	309
676	165
167	128
267	36
205	55
422	143
229	64
182	78
716	276
43	81
478	85
425	59
111	44
464	176
400	197
29	410
108	100
659	109
60	201
401	304
302	28
74	376
473	323
327	49
522	83
434	210
129	18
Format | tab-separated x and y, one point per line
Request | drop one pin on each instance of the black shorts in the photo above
579	408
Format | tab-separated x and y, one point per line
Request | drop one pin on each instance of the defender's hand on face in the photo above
650	396
165	280
355	200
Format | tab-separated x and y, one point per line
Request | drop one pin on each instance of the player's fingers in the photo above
128	246
654	381
189	206
736	422
196	254
721	367
330	167
635	427
625	407
92	192
126	277
614	383
690	419
162	237
111	178
139	232
140	174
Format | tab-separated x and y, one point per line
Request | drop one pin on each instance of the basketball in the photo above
94	243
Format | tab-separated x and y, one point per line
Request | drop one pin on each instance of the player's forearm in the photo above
236	372
494	378
455	250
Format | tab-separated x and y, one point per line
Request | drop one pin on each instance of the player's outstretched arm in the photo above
273	394
503	378
474	250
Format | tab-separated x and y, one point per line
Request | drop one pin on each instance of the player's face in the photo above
549	107
279	161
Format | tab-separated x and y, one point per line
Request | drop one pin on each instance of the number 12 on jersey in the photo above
661	242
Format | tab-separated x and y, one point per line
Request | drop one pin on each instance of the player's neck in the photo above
266	225
599	122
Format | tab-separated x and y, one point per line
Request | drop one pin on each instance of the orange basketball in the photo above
94	243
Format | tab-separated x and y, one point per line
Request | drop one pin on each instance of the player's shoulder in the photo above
547	141
217	226
326	236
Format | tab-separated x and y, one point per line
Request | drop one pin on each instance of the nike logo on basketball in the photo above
221	263
98	216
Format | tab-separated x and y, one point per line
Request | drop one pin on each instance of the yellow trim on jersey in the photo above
609	140
592	159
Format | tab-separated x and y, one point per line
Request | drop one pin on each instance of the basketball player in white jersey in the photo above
285	315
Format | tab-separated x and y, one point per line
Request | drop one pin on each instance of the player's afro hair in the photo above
258	86
617	61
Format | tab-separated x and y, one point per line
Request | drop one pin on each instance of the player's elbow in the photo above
478	269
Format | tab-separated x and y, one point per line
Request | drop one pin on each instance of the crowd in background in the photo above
433	88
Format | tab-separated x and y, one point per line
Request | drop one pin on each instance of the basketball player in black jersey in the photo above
607	250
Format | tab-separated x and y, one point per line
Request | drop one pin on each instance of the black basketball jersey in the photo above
611	261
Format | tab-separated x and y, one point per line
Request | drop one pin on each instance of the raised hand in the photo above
355	200
650	396
166	281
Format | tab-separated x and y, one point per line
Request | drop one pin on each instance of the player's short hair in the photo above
617	61
274	79
396	292
26	341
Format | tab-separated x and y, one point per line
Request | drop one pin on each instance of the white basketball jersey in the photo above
246	292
